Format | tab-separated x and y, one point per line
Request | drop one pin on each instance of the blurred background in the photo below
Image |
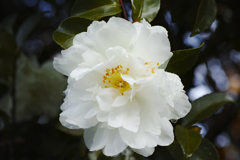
31	91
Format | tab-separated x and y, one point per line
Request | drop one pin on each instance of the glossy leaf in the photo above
27	27
183	60
205	106
94	10
68	29
207	12
175	150
147	9
188	139
206	151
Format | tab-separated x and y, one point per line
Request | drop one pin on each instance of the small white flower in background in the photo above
118	90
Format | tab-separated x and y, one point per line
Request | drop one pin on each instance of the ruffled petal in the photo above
73	117
152	46
121	100
99	137
70	59
106	97
89	134
149	129
115	144
102	116
126	116
117	32
178	100
167	136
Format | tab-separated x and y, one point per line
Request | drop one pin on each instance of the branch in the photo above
124	10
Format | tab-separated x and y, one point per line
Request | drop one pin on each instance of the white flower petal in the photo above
132	120
152	46
89	134
92	112
71	58
147	151
85	39
115	144
66	104
95	26
100	139
166	137
159	29
181	106
134	140
126	116
149	129
92	58
150	96
102	116
121	100
75	95
74	116
117	32
106	97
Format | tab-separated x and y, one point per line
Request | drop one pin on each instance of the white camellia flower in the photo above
118	90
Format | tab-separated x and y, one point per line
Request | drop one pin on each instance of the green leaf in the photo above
175	150
207	12
95	9
188	139
206	151
27	27
205	106
67	30
183	60
147	9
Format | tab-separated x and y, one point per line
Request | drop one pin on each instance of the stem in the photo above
124	10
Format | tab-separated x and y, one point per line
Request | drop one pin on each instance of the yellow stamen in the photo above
113	79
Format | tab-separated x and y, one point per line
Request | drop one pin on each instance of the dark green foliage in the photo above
183	60
145	9
207	12
67	30
95	10
205	106
188	139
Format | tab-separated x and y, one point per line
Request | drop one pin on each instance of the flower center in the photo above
113	79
